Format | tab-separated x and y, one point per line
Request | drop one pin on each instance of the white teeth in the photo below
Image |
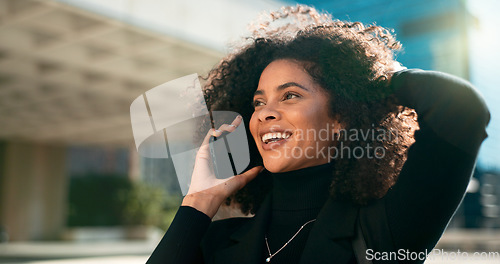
269	136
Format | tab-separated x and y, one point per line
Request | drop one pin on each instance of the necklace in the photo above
274	254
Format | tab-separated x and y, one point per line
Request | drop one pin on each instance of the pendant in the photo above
268	259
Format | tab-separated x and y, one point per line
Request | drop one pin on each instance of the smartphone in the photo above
222	159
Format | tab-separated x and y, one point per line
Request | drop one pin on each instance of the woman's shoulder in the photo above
219	234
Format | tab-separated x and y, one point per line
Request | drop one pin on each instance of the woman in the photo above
374	188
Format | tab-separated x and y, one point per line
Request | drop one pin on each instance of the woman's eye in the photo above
290	96
257	103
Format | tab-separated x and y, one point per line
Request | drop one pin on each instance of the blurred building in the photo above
69	71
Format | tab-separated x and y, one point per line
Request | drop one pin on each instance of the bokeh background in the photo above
72	187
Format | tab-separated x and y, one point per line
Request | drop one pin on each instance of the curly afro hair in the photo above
353	63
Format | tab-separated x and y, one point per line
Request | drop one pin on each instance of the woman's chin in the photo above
276	165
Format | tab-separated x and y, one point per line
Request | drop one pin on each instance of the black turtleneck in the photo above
297	197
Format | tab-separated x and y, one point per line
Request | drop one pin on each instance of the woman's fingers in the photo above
249	175
239	181
225	127
237	121
204	152
229	128
397	66
204	148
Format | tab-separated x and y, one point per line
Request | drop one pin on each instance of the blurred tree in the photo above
114	200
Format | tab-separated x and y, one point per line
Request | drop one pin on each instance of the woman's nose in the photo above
268	113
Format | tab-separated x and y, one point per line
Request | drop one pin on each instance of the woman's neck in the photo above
302	189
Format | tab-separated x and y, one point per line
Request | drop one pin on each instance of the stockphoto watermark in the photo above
435	254
369	140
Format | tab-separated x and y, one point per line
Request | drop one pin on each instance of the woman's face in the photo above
291	125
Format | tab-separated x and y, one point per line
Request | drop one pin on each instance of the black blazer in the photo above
241	240
410	218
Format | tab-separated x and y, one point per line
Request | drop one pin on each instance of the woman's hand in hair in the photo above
206	192
396	66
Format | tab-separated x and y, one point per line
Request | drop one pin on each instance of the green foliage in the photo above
110	200
147	205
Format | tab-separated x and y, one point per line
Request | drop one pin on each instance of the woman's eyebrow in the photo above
281	87
289	84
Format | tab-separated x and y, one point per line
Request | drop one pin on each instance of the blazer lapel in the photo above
329	240
330	237
249	239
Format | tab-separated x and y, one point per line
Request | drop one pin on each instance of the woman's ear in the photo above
336	128
335	124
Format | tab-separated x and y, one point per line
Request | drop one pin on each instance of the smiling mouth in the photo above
275	137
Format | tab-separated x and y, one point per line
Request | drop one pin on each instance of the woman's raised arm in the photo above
452	117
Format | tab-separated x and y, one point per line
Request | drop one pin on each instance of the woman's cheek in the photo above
253	128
